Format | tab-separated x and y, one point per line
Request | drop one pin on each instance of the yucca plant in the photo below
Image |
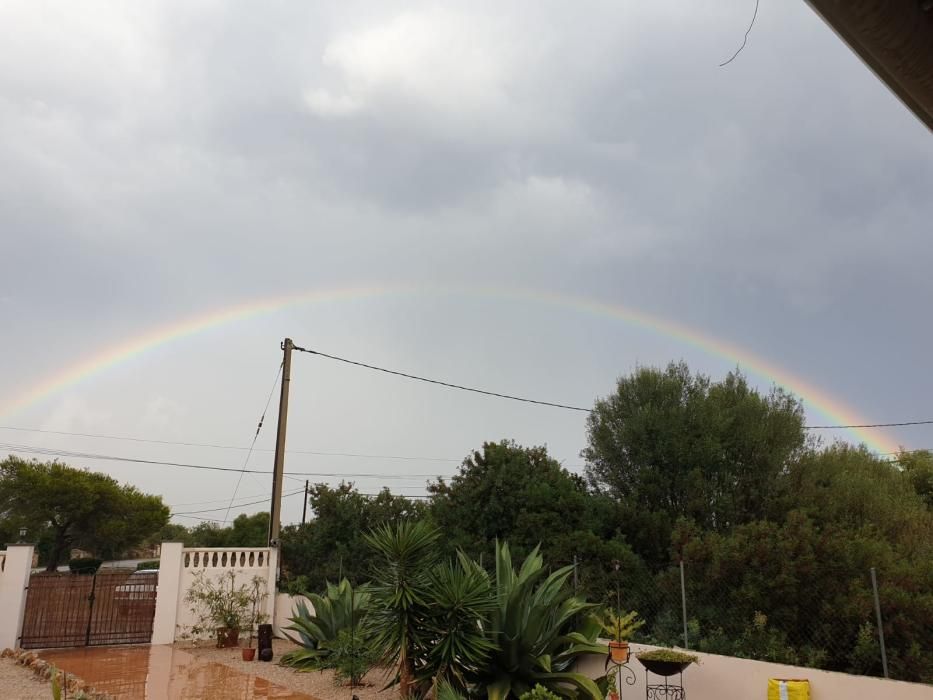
341	609
399	622
533	627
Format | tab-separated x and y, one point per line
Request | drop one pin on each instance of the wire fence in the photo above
863	624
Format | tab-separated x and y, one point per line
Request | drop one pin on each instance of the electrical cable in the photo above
249	453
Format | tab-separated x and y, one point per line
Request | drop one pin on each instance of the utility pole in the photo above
304	510
275	516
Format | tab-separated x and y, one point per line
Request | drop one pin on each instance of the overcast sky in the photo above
163	160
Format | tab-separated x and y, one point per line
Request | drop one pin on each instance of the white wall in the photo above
717	677
180	566
286	607
15	567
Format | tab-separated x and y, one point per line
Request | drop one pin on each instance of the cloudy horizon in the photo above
167	160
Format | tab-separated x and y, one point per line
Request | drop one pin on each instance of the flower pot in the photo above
619	652
613	695
228	637
664	668
248	653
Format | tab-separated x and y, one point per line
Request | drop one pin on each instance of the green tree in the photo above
331	545
680	445
77	508
918	466
509	492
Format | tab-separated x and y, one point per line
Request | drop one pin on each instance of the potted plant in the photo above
619	628
220	604
258	595
666	662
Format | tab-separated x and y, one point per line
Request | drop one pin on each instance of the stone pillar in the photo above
171	562
13	582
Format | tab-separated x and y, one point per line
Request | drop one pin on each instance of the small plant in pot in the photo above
258	596
619	628
666	662
219	604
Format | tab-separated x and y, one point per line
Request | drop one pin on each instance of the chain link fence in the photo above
862	624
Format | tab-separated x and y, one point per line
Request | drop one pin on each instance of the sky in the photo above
457	190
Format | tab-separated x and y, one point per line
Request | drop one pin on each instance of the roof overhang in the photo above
895	39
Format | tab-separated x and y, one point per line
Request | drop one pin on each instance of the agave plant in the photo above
341	608
534	626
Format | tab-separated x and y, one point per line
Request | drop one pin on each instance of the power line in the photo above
445	384
217	446
53	452
240	505
745	40
249	452
869	425
568	407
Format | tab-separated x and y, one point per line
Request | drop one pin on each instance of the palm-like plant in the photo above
340	608
533	626
398	624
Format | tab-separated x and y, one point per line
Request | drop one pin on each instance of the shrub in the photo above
350	656
85	565
154	564
341	608
539	692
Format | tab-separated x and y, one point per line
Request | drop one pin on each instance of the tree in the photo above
678	444
509	492
78	508
245	531
331	546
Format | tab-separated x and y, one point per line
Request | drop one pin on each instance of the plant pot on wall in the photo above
249	653
619	652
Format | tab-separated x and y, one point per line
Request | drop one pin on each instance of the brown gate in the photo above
72	610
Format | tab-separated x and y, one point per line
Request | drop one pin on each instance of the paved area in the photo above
164	673
316	684
21	683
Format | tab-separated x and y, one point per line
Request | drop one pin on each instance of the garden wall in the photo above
286	607
179	567
718	677
15	567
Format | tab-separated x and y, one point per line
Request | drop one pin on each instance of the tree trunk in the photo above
58	549
405	676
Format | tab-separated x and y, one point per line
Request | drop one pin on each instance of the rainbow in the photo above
832	409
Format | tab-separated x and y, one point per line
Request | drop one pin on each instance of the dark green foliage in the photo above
64	508
84	565
153	564
777	533
539	692
331	546
349	656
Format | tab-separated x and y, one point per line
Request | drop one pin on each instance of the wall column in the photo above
170	566
14	580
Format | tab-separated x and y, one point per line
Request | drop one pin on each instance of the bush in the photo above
539	692
85	565
154	564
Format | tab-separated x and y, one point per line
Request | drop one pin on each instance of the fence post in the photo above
17	566
884	655
167	593
683	603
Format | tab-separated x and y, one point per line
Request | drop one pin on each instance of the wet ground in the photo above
163	672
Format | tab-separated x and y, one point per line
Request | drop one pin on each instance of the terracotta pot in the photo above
248	653
613	695
228	637
619	652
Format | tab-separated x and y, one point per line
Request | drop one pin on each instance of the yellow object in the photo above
788	689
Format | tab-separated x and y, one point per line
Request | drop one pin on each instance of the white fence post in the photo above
17	566
166	611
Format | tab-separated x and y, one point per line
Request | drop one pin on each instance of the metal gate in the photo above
73	610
